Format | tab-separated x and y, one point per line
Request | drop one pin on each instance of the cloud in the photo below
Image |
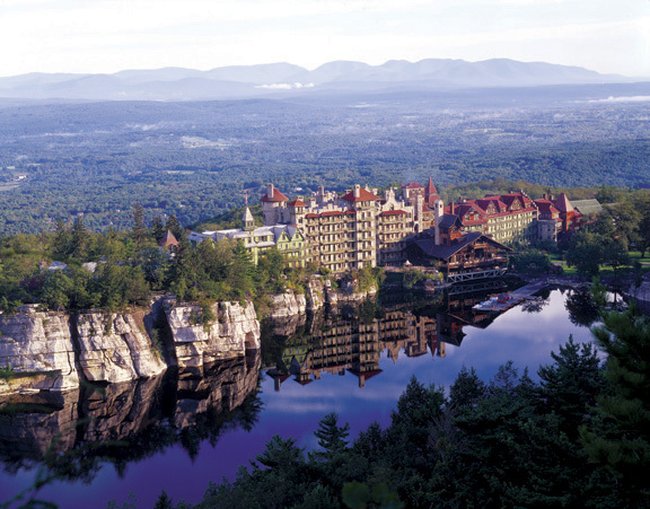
623	99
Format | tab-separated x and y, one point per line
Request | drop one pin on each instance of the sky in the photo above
104	36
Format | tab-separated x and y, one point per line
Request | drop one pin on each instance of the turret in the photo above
272	203
248	220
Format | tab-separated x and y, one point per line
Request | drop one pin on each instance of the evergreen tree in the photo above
158	228
467	390
79	239
61	241
163	502
332	438
139	228
174	226
570	385
619	436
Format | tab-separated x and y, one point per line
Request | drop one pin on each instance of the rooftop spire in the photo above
248	220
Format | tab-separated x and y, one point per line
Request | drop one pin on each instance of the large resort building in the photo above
365	228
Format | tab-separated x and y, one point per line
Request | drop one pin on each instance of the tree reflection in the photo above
582	308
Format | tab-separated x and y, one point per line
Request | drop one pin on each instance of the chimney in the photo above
452	207
357	191
270	191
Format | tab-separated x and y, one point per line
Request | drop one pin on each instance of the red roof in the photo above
169	240
331	213
277	197
392	213
297	203
563	204
413	185
364	195
431	189
547	209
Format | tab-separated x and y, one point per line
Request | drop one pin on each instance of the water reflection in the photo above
354	339
72	433
183	430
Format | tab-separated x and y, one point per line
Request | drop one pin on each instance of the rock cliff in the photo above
315	293
52	350
288	304
38	348
116	348
235	330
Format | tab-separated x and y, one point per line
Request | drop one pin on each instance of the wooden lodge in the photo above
460	257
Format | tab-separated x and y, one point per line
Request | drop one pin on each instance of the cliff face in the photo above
315	294
288	304
37	344
235	330
51	350
116	348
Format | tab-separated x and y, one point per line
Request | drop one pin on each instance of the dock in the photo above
505	301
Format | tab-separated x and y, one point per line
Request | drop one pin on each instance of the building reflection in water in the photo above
353	340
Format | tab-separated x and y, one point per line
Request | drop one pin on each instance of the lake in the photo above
178	432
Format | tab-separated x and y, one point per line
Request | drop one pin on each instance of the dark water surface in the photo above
179	432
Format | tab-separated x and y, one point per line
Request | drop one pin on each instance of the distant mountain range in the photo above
283	79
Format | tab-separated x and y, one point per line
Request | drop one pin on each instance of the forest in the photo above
73	268
195	160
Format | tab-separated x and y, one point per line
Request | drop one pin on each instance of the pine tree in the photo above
619	437
157	228
571	384
79	239
139	227
163	502
332	438
61	241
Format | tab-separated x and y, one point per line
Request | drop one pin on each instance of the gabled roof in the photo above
296	203
563	204
364	195
546	208
168	240
277	196
431	188
413	185
444	252
587	207
449	220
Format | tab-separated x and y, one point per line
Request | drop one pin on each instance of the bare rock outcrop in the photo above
38	348
288	304
235	330
116	348
315	293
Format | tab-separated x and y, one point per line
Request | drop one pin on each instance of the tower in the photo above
274	202
248	220
438	212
